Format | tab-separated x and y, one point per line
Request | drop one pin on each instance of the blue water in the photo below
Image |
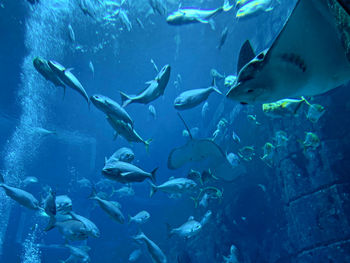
84	138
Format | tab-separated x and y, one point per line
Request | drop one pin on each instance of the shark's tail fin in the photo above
126	100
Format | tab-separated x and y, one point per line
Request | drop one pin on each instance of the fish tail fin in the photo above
195	201
2	181
216	89
154	189
153	173
129	219
93	193
169	230
126	100
226	6
147	143
51	224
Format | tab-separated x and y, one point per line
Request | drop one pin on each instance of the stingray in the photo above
308	57
197	150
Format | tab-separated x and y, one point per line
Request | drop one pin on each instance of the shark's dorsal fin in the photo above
189	132
246	54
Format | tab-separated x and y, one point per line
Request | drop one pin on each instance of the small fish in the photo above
139	22
156	253
135	255
230	80
246	153
92	68
154	90
223	38
42	66
186	230
124	191
63	204
174	186
233	159
123	154
185	16
30	180
205	109
79	253
110	207
49	203
284	108
233	257
253	8
215	74
66	76
91	229
72	230
315	112
123	172
235	137
252	119
192	98
111	108
71	33
127	131
140	218
311	141
268	156
20	196
152	111
206	218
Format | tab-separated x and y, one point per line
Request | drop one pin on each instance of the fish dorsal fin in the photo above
190	218
246	54
188	130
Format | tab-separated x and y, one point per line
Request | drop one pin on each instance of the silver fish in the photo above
174	186
20	196
156	253
140	218
66	76
112	108
184	16
109	207
154	90
127	173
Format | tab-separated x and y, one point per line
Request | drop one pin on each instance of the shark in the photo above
308	57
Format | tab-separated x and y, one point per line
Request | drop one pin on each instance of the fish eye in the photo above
250	91
243	103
